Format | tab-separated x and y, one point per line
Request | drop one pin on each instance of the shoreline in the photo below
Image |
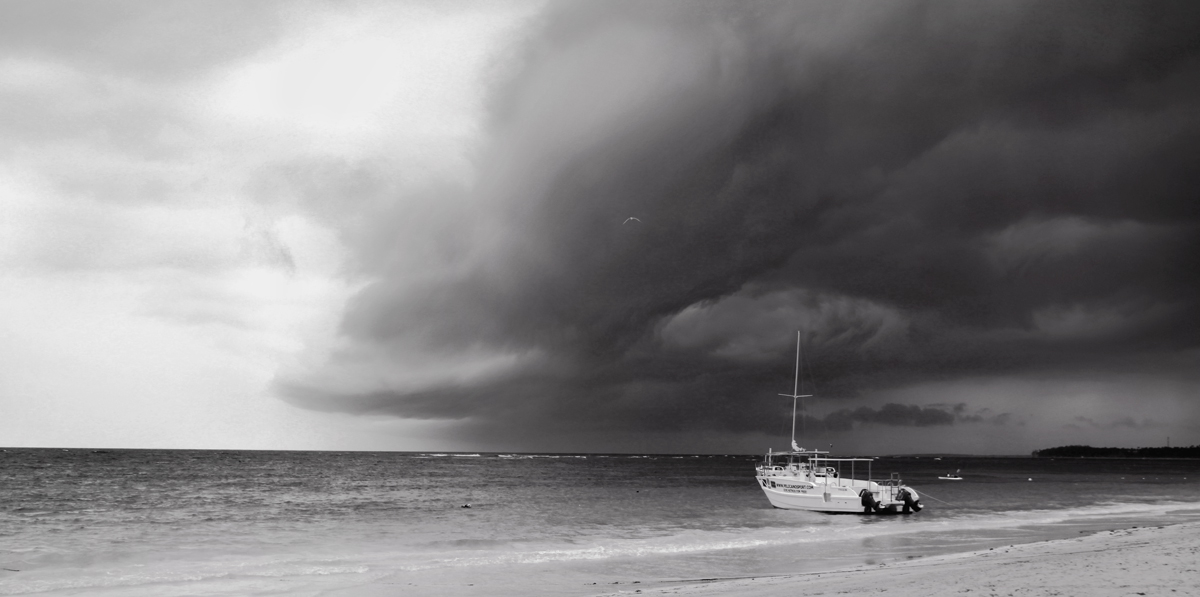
1158	560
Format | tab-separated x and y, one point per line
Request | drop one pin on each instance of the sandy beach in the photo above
1134	561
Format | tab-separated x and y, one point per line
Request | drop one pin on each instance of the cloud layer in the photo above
928	191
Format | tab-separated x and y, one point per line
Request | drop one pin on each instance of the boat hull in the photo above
837	496
838	499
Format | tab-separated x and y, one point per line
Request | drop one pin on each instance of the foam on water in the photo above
697	541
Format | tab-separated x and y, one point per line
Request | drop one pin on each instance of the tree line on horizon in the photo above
1091	452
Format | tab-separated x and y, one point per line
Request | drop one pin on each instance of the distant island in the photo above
1090	452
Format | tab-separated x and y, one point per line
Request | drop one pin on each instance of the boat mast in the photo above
795	386
795	395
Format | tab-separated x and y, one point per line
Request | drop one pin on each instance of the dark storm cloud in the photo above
1129	422
930	190
889	414
905	415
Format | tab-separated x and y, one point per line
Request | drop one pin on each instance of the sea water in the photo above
177	522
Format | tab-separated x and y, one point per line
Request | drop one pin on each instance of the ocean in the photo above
191	522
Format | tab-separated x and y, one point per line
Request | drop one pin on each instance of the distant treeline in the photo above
1090	452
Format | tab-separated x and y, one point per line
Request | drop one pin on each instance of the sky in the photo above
406	225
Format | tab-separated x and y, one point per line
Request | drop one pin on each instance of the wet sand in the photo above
1157	561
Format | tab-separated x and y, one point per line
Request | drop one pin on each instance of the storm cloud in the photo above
927	191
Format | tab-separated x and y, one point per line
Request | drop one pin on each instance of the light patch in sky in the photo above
746	326
1034	239
151	293
83	369
412	73
598	84
141	326
28	75
1081	321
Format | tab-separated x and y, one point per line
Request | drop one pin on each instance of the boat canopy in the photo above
815	455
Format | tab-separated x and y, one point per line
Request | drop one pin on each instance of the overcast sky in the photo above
405	225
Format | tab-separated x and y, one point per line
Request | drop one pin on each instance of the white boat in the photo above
812	480
952	476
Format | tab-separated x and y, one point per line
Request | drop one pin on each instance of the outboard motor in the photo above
868	502
910	505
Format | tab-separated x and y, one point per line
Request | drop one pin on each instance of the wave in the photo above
827	535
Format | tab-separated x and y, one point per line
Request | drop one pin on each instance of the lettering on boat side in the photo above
792	488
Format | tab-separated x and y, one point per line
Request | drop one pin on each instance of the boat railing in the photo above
814	467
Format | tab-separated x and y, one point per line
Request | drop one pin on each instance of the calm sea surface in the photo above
159	522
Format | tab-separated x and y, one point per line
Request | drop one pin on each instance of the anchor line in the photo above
926	495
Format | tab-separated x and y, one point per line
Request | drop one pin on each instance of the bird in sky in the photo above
628	219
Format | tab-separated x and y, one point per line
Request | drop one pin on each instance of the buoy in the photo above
1031	478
